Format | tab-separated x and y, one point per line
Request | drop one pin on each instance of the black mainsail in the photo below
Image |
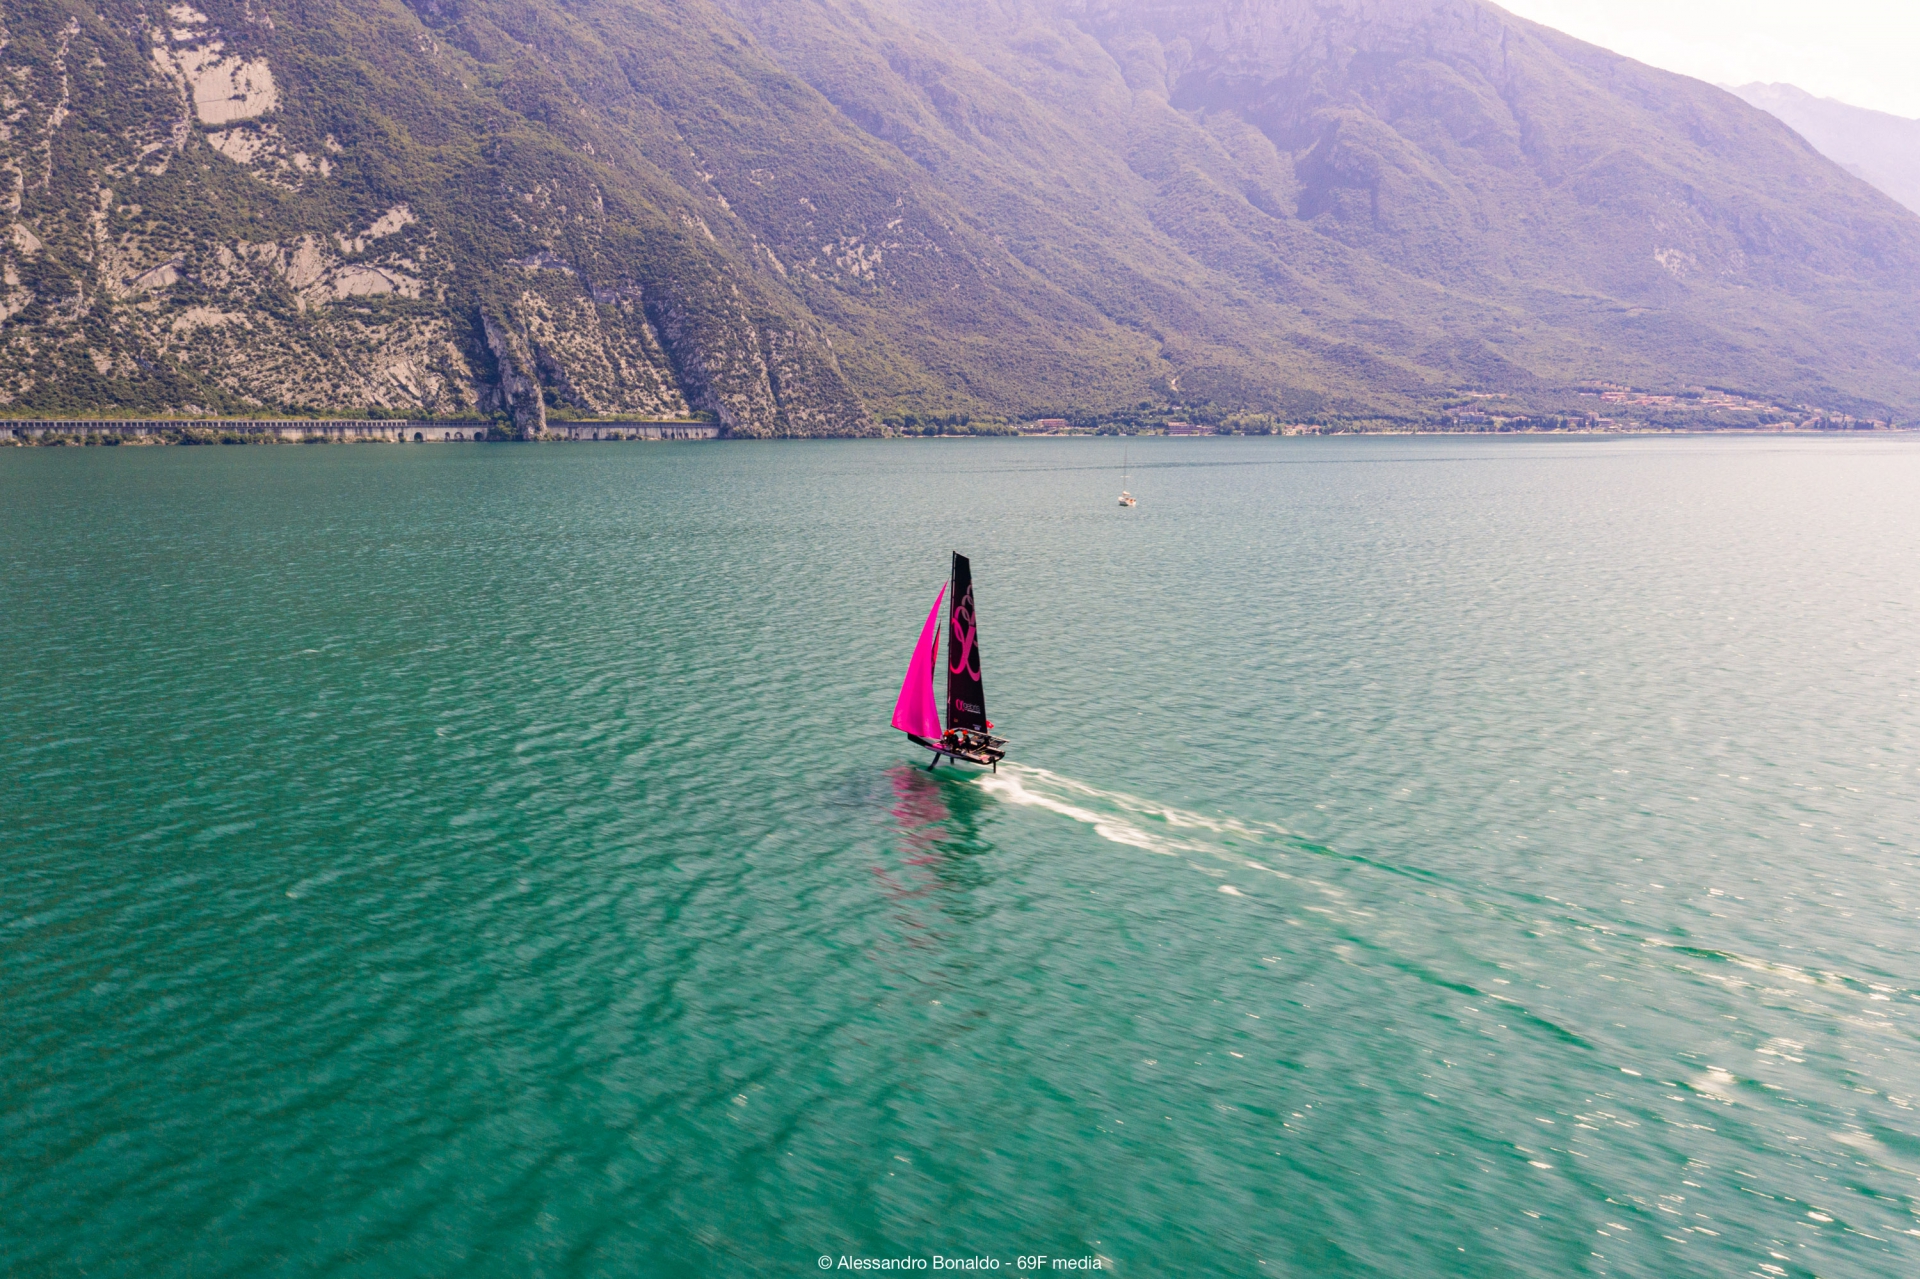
966	695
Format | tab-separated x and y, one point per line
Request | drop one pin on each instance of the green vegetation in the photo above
946	424
856	216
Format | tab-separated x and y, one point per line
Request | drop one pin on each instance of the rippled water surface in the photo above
1416	857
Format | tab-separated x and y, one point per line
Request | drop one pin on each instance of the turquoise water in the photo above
1416	857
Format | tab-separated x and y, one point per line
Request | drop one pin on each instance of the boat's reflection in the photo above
920	812
937	842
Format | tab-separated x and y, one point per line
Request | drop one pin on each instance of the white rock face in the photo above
206	317
222	89
226	89
159	277
386	224
305	265
242	146
390	221
369	281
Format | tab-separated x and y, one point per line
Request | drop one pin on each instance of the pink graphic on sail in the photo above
916	712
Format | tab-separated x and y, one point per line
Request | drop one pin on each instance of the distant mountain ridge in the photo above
1874	146
813	216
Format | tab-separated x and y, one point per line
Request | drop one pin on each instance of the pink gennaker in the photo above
915	712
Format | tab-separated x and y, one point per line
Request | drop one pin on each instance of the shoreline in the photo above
55	432
152	432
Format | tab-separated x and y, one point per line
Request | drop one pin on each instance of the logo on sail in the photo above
962	656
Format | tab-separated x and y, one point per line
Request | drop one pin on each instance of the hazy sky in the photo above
1866	52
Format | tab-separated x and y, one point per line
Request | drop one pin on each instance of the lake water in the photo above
1415	857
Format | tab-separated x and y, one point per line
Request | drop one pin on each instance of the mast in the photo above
966	695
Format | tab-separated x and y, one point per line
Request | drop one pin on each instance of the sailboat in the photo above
969	733
1126	498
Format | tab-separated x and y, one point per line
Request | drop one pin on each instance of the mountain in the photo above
815	216
1874	146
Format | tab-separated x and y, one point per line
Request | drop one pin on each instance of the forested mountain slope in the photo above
806	215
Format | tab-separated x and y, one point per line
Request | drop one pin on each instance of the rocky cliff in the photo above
231	208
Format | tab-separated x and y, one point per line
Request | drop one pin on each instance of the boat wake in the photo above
1227	849
1237	854
1136	822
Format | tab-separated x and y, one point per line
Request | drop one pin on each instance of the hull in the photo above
989	757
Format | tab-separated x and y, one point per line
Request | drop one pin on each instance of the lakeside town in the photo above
1596	408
